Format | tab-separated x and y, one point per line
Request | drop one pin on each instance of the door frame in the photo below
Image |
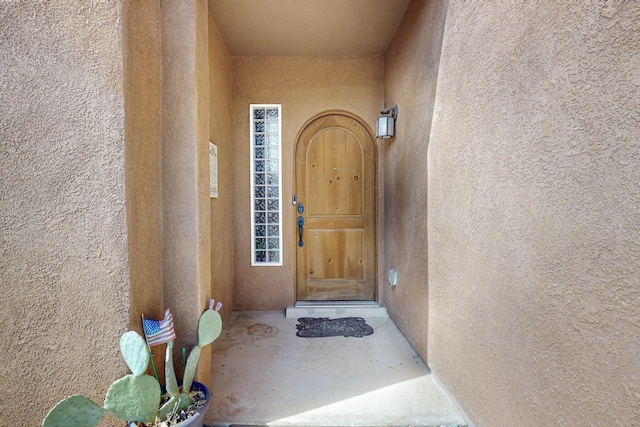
294	239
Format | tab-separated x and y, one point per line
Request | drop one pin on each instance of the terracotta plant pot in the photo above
196	420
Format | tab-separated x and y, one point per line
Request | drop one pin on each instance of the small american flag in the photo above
159	331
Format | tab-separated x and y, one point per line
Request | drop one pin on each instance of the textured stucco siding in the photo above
142	58
534	195
222	214
63	268
186	238
410	77
305	86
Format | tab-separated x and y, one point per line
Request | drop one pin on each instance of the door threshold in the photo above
336	303
334	309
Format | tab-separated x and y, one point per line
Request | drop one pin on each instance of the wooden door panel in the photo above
336	291
335	254
335	180
336	222
352	179
335	169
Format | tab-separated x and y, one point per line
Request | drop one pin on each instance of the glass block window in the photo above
266	185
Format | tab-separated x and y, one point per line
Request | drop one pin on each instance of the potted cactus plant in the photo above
138	397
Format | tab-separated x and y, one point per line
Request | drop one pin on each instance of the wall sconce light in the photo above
386	124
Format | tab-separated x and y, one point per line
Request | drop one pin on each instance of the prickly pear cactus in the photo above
169	372
190	368
134	398
179	400
135	352
74	411
209	327
174	405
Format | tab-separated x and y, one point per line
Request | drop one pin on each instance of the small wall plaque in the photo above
213	170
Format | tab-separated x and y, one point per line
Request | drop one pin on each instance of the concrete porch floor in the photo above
263	374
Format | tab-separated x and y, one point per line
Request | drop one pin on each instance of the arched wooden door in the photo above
335	176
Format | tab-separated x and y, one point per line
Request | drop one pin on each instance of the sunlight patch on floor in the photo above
263	374
404	403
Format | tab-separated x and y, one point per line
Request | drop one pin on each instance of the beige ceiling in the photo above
307	27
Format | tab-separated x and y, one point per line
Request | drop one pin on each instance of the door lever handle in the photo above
300	225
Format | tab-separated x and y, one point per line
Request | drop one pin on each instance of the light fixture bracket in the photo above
393	111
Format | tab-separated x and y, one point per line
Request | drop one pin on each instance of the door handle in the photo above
300	226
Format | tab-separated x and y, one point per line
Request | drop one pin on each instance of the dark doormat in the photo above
312	327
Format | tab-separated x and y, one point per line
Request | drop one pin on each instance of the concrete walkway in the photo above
265	375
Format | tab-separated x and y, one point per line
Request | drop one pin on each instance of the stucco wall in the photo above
534	194
64	274
143	134
305	86
410	77
142	62
222	216
186	238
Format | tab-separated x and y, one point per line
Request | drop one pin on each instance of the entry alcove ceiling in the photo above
307	27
